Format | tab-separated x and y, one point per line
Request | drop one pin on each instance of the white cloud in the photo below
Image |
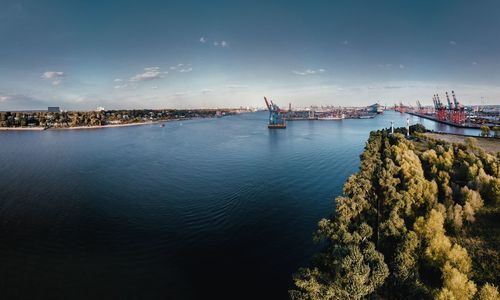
4	98
453	43
120	86
401	66
118	80
182	68
206	91
345	42
178	66
54	76
203	40
149	73
308	72
154	87
223	44
474	63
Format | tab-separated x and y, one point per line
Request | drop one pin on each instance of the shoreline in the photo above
88	127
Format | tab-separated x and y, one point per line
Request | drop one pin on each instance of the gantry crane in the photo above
276	116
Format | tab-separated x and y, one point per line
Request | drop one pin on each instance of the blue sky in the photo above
186	54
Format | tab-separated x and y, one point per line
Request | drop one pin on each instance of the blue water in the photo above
207	208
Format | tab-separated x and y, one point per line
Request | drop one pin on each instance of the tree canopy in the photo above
394	230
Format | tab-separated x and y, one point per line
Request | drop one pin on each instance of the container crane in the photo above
276	116
458	114
440	108
450	104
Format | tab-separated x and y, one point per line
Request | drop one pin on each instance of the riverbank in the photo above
88	127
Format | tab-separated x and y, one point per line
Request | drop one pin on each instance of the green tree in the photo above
496	131
456	285
485	131
350	268
489	292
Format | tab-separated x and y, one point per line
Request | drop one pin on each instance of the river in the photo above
203	208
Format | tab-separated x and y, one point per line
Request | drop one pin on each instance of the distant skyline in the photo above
198	54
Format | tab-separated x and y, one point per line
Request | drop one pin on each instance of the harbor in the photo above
278	117
454	113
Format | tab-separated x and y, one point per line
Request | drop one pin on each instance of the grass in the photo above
487	144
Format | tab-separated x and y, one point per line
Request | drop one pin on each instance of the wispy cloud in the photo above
120	86
222	44
118	80
54	76
149	73
206	91
215	43
182	68
345	42
4	98
401	66
308	72
453	43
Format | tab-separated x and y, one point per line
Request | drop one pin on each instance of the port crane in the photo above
276	116
440	108
458	113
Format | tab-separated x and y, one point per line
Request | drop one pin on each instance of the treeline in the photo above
394	231
96	118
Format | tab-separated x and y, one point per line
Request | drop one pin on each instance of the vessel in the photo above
331	118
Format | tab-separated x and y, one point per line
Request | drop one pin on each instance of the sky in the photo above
206	54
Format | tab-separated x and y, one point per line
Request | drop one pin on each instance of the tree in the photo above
455	216
350	268
456	285
496	131
471	143
489	292
485	131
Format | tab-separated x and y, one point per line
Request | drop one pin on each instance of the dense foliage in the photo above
97	118
396	229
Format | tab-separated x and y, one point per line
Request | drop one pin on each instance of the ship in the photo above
331	117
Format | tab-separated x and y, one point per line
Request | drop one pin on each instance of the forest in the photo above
419	220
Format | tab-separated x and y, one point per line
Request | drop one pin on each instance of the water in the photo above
219	208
